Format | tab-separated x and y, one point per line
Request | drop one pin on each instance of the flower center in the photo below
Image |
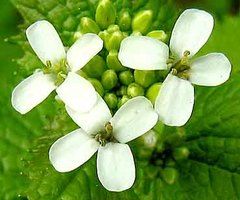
59	70
181	68
105	136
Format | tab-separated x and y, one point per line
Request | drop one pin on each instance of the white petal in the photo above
83	50
77	93
210	70
72	150
175	100
143	53
94	120
133	119
115	167
32	91
46	42
191	32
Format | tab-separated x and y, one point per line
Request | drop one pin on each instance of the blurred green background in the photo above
14	141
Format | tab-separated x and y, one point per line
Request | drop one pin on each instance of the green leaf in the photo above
223	39
14	131
212	135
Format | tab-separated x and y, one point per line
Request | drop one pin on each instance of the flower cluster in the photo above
100	131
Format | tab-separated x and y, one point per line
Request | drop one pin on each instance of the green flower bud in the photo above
105	14
136	33
158	34
126	77
134	90
169	175
174	139
151	172
82	74
147	142
153	91
145	78
160	147
70	24
87	25
123	100
104	35
95	67
125	20
149	139
113	62
114	41
181	153
76	36
112	28
122	91
142	21
109	79
97	85
170	162
111	100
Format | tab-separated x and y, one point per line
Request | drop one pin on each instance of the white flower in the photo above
106	134
75	91
175	100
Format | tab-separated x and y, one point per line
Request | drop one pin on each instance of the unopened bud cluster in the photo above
165	151
114	82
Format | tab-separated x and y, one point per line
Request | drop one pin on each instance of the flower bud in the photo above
136	33
125	20
123	100
142	21
104	35
113	62
126	77
174	139
161	146
122	91
170	162
111	100
158	34
148	143
95	67
105	14
76	36
153	91
181	153
169	175
113	28
69	24
87	25
114	41
97	85
109	79
134	90
145	78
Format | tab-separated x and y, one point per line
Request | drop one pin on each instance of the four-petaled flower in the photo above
75	91
106	134
174	103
